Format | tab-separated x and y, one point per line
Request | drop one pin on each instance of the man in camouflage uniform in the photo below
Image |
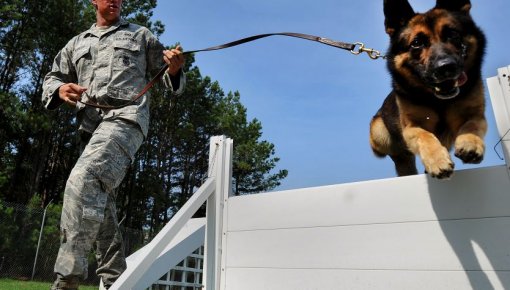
107	64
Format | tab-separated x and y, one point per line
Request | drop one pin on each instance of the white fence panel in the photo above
499	89
332	279
404	199
383	234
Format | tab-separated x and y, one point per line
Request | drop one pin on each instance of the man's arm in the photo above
174	78
175	83
61	73
175	61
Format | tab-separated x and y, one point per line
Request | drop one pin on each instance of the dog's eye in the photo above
418	42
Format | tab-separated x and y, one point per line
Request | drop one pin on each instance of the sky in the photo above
314	101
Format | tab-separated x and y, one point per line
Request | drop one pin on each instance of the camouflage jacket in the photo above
114	64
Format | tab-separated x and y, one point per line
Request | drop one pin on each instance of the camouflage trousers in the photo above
89	217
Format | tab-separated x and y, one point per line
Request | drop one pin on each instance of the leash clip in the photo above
372	53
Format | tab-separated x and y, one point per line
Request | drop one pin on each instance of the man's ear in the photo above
94	3
397	13
454	5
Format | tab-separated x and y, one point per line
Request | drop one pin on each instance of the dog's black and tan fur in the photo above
438	98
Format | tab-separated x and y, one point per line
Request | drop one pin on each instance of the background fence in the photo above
21	239
28	231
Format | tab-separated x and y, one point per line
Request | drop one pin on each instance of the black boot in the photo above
66	283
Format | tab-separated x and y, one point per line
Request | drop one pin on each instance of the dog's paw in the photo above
442	171
439	165
469	148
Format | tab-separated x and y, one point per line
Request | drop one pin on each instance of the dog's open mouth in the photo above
450	88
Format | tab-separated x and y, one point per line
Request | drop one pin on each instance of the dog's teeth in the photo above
438	89
456	83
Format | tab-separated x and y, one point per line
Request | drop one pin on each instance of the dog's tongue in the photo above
450	88
462	79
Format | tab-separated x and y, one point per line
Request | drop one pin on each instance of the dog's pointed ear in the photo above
454	5
397	13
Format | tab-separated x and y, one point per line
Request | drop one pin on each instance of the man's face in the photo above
108	9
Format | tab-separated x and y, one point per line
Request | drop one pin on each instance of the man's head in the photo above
107	11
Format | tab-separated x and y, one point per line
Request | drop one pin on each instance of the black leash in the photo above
337	44
355	48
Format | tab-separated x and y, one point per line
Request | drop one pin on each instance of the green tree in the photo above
38	146
253	158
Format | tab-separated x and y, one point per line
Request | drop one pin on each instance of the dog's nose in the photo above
445	69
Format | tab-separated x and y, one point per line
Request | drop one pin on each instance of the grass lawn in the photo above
9	284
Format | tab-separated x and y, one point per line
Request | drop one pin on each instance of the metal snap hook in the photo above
359	47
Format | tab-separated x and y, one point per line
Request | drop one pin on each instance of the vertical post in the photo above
40	235
225	195
220	167
499	90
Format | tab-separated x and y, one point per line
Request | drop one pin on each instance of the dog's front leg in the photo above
469	145
433	154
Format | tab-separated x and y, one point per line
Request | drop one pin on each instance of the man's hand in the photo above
71	93
174	59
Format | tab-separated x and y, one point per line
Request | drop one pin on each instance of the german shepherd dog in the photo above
437	101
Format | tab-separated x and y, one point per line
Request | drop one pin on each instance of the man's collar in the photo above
94	30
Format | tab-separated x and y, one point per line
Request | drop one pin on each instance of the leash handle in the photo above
342	45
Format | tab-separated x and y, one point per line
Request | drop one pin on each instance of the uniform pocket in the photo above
88	118
126	55
82	59
118	96
128	72
95	213
80	54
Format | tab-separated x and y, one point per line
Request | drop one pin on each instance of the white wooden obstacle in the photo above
400	233
182	235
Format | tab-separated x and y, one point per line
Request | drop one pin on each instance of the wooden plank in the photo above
190	238
220	163
320	279
133	274
499	90
473	193
452	245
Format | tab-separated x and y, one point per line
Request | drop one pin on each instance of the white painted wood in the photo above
475	193
220	163
499	90
226	193
192	226
133	274
212	216
438	246
334	279
381	234
190	238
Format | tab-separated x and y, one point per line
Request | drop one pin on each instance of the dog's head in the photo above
433	51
